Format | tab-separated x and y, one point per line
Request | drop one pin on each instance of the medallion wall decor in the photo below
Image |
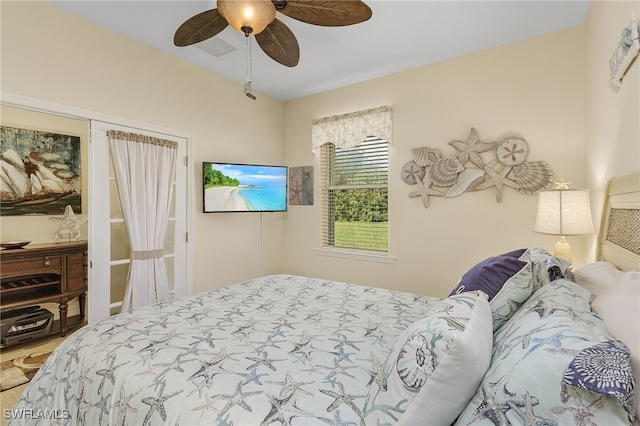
466	170
40	172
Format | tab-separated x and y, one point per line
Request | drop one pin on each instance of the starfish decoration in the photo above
237	399
526	413
127	343
582	414
268	343
252	376
73	356
544	309
499	180
376	373
295	188
208	406
103	405
123	404
342	398
290	387
69	225
155	346
563	184
283	410
245	330
424	190
487	408
283	322
302	349
208	371
223	355
471	149
555	341
148	372
338	369
341	355
107	373
263	361
176	364
157	404
345	341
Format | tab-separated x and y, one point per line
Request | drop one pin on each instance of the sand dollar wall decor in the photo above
475	166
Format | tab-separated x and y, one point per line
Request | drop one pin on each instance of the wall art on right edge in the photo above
301	186
625	51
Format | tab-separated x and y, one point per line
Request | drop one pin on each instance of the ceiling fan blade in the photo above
199	28
279	43
325	13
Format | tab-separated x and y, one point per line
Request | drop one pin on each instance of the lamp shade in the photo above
247	16
564	212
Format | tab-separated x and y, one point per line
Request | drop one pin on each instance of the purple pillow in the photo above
491	274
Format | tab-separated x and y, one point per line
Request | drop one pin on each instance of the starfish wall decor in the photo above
466	170
69	225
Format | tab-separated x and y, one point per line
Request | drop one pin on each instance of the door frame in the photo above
100	225
38	105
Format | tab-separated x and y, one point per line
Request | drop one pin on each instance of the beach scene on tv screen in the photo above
241	187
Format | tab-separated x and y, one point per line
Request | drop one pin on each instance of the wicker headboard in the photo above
619	238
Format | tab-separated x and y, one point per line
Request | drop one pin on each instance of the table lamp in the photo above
564	212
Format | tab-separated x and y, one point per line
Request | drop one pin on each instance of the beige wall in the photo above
612	133
551	90
53	56
534	89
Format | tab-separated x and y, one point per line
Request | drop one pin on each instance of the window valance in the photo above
348	130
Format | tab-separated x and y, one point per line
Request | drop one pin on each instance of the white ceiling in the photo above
400	35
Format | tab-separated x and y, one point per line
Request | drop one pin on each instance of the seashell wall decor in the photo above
466	170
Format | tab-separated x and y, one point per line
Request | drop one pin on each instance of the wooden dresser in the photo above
48	272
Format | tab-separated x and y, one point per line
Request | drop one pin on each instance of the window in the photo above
355	195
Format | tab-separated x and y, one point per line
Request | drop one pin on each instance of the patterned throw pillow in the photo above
605	369
506	278
547	268
435	365
540	348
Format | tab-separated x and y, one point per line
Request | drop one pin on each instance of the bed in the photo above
514	343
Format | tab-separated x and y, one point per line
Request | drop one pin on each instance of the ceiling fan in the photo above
258	17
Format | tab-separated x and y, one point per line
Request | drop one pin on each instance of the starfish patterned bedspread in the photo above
279	349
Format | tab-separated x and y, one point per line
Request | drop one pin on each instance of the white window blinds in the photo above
355	195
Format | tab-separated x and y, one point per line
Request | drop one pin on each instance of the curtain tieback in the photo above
146	254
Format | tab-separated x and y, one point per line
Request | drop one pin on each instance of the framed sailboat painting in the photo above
39	173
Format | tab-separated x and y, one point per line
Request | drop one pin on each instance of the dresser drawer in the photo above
32	266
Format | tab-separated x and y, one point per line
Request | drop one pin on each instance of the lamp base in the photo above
562	250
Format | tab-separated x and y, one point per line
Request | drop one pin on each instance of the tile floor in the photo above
9	398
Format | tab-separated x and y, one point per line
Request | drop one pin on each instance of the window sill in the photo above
367	256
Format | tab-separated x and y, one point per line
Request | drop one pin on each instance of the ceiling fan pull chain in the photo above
249	79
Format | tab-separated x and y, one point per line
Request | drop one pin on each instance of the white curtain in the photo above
145	171
348	130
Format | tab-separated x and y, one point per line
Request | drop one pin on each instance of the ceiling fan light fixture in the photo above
247	16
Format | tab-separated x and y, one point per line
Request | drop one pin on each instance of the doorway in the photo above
108	240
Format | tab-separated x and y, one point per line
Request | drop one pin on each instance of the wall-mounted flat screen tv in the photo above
230	187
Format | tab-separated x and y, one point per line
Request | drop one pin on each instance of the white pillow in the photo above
598	276
619	306
435	366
